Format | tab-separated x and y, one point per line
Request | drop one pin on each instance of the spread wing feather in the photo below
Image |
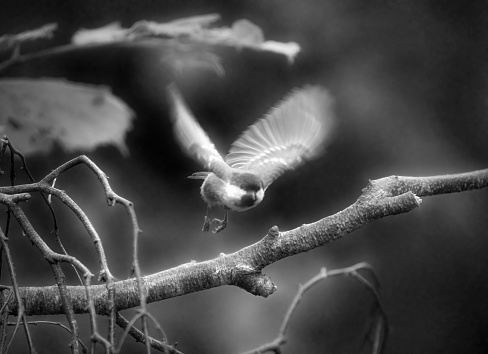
192	138
294	131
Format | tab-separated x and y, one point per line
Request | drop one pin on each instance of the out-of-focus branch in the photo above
14	41
353	271
45	31
383	197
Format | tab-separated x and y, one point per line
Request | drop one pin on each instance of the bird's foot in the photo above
221	224
206	224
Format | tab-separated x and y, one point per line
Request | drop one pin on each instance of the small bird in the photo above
294	131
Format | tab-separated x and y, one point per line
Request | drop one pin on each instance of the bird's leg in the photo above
206	222
221	224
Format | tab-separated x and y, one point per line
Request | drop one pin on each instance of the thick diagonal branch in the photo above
384	197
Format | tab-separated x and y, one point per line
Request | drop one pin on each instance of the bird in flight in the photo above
294	131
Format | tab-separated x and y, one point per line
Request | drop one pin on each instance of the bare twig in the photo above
140	337
50	255
18	298
36	323
95	335
68	309
61	246
5	301
4	315
275	345
45	187
17	58
130	325
142	294
112	198
53	259
379	326
6	143
13	151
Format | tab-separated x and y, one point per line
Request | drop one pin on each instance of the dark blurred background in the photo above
410	80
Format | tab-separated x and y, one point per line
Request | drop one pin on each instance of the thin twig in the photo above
14	333
61	246
140	337
95	335
5	301
13	151
112	199
67	306
36	323
4	314
6	143
42	186
142	293
18	59
128	327
15	286
158	327
275	345
52	257
105	274
46	251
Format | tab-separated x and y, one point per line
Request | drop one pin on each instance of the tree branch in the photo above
353	271
383	197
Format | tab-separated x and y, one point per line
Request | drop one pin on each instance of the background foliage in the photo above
410	79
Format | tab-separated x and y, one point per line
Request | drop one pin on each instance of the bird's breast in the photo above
217	192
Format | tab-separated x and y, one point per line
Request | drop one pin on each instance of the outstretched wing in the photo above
192	138
294	131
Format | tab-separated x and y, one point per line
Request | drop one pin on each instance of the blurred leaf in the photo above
35	113
290	49
45	31
243	33
106	34
246	32
184	27
182	57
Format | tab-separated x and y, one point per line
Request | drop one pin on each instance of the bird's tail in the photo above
199	175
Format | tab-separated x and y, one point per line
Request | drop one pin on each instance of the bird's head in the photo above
251	188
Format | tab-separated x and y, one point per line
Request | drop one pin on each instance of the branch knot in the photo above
257	284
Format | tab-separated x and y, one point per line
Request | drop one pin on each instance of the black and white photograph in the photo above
237	177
